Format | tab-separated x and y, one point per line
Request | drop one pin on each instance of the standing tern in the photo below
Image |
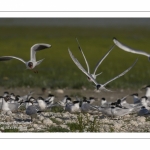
128	49
32	62
143	111
136	99
98	86
94	75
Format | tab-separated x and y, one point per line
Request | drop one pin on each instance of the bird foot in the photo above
35	71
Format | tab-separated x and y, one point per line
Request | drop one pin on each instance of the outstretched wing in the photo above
88	68
102	59
121	73
80	67
37	47
5	58
128	49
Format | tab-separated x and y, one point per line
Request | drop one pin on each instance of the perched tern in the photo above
94	75
73	107
85	104
32	62
136	99
104	103
13	107
98	86
128	49
143	111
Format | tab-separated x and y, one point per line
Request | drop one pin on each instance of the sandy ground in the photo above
60	93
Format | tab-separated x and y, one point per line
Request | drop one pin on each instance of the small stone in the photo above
117	125
60	91
58	119
141	119
47	122
2	128
31	129
64	126
68	121
9	113
35	125
39	122
134	123
21	128
41	118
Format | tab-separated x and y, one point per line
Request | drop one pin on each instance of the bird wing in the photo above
5	58
88	68
101	60
37	47
128	49
80	67
121	73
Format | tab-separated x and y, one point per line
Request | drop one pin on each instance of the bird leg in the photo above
35	71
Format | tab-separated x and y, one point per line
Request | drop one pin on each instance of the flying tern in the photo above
32	62
94	75
98	86
128	49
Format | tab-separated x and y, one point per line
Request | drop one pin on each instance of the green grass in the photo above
59	71
84	123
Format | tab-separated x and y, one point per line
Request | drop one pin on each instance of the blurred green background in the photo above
17	35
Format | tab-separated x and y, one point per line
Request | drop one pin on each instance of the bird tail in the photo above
149	57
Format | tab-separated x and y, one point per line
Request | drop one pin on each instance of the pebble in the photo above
60	91
134	123
35	125
141	119
9	113
47	122
117	125
58	119
40	118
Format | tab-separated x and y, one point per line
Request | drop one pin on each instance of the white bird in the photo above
85	104
143	111
12	98
30	102
128	49
147	94
98	86
50	99
94	75
32	62
13	107
136	99
104	103
64	101
5	94
119	112
73	107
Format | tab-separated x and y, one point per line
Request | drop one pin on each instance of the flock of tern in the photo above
10	103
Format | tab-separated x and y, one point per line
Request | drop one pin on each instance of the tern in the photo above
98	86
104	103
32	62
13	107
94	75
85	104
143	111
136	99
128	49
73	107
